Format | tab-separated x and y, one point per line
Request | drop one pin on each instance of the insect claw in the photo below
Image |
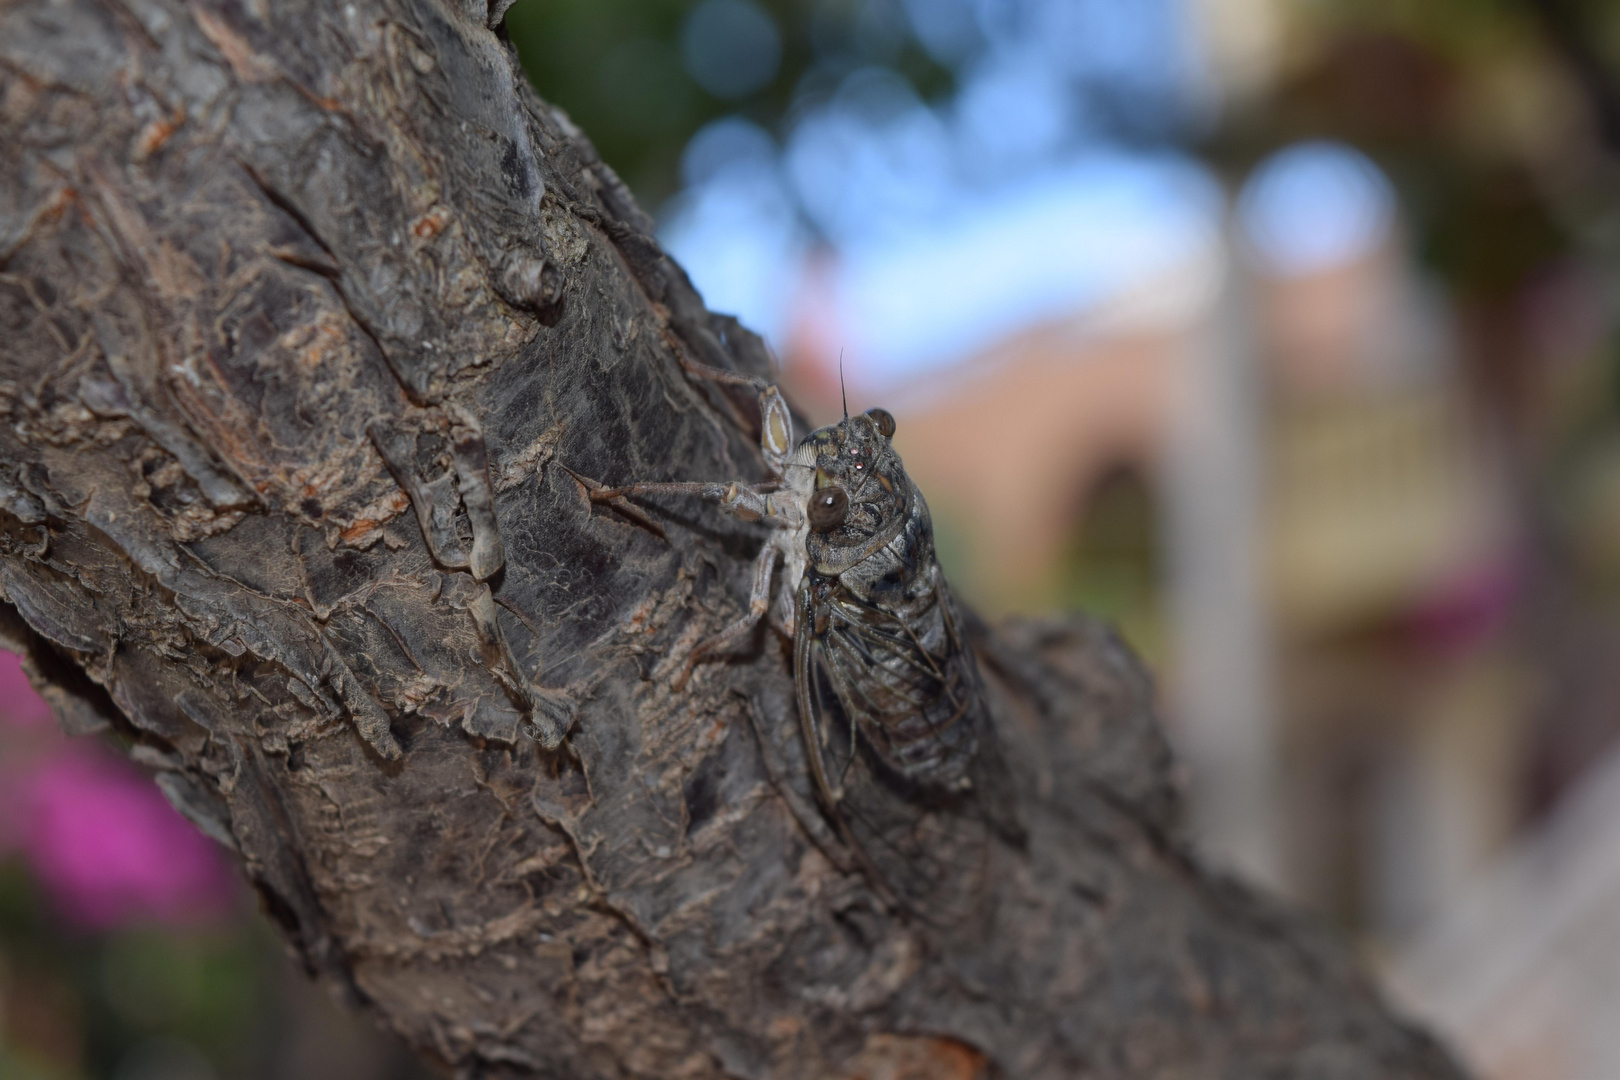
614	497
593	488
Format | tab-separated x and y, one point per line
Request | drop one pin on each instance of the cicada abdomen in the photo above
897	728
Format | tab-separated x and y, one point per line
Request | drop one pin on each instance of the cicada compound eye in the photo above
827	508
884	420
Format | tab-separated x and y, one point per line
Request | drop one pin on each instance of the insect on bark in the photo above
896	729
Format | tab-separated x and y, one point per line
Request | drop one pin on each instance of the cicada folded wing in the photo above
900	743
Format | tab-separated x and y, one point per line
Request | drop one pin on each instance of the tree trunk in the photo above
319	325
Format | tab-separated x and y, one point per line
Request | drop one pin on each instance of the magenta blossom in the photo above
109	849
98	834
1468	606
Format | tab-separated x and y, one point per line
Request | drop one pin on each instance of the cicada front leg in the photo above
775	502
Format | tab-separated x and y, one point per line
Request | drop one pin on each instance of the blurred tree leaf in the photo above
616	67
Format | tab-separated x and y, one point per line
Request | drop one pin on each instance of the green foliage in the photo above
616	67
77	1003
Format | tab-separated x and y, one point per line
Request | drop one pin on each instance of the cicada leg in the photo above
717	374
750	502
759	601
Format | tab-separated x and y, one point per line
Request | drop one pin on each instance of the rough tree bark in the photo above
312	313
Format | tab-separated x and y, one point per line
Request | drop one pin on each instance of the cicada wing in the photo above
909	691
933	858
995	795
927	842
827	766
915	692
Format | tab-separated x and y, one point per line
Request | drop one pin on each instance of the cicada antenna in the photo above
842	392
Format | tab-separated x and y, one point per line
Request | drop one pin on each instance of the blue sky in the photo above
1051	180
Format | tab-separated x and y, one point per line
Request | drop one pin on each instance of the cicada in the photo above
896	730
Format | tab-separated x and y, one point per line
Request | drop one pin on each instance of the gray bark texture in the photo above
317	327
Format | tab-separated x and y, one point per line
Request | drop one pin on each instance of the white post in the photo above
1222	708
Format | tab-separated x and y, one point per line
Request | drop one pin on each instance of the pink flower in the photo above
103	842
1468	606
109	849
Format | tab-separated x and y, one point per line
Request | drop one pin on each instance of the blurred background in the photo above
1281	333
130	947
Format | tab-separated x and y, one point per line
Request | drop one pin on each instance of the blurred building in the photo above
1265	463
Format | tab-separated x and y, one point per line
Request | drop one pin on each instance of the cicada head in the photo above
861	496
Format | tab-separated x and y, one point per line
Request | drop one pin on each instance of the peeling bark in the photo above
318	326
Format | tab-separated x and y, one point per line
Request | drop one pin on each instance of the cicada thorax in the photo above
896	721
